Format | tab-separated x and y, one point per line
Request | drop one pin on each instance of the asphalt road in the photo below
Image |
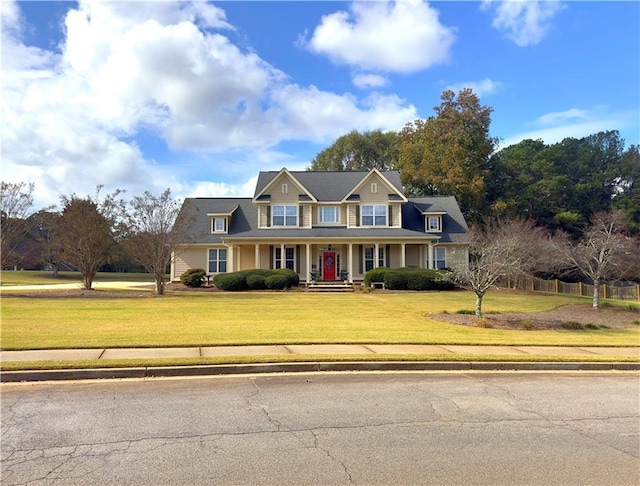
323	429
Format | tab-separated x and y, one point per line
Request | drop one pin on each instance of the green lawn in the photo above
29	277
206	319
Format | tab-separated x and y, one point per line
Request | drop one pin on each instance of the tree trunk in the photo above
87	281
479	297
596	294
56	268
159	284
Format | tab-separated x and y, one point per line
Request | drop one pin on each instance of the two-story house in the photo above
326	226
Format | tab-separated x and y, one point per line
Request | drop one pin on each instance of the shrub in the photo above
395	280
193	277
572	326
230	281
375	275
465	312
256	282
293	280
277	282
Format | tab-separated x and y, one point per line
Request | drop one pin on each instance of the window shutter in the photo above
360	258
387	256
271	256
301	216
298	258
358	218
268	216
390	222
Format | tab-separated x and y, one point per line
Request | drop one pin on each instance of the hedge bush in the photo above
277	282
375	275
409	279
257	280
230	281
194	277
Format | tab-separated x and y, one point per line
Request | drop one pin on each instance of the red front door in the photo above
329	265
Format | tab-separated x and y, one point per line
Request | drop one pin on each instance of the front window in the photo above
284	216
369	259
440	258
217	260
289	258
329	214
374	215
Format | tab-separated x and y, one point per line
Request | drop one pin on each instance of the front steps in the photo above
329	287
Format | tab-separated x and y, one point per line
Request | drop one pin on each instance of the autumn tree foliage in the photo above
86	232
449	153
153	231
16	200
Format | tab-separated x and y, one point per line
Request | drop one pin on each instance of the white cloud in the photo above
572	123
402	36
480	88
525	22
363	81
71	117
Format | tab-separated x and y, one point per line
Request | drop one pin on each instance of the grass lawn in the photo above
207	319
30	277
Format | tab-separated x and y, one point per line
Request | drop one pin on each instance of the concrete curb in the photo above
307	367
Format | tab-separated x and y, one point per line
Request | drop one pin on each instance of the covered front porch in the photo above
326	261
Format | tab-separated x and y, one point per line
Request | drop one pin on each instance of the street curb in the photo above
307	367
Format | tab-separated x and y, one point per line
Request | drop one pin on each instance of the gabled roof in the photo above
260	192
328	186
375	172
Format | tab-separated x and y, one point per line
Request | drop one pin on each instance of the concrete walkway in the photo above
366	350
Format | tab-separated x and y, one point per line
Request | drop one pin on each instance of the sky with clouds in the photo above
200	96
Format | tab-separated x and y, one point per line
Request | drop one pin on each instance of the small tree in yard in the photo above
154	230
85	233
496	250
603	252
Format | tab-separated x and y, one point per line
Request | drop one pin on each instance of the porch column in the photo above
430	256
230	259
308	261
421	251
403	256
257	255
350	263
376	255
282	259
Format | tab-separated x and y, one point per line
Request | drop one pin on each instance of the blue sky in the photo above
200	96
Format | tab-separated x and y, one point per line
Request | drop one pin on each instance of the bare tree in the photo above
603	252
154	230
500	248
85	232
16	200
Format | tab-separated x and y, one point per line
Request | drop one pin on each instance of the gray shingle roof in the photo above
328	185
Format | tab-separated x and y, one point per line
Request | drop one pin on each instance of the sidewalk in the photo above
367	351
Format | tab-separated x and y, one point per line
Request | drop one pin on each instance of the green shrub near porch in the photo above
258	279
409	279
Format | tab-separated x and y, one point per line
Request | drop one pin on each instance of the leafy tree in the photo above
153	231
627	187
44	228
449	153
359	151
86	231
497	249
603	252
16	200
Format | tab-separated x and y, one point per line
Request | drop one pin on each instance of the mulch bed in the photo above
572	316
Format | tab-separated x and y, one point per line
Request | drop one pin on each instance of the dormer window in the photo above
434	223
218	225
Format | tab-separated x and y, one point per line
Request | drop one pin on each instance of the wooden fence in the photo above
609	290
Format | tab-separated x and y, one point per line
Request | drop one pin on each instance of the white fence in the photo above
611	290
